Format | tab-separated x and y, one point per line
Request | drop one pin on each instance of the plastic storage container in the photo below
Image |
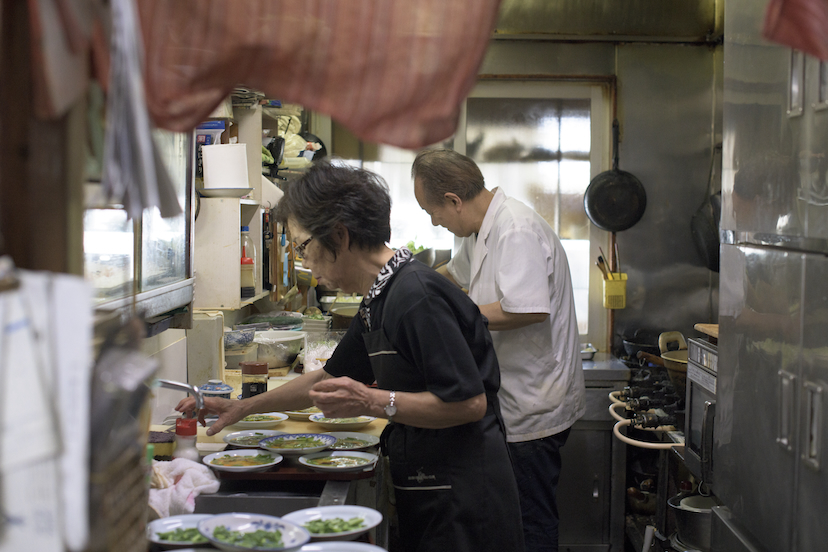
248	264
615	291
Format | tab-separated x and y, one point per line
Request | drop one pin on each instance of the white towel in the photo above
175	484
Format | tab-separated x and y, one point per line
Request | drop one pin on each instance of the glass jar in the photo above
254	378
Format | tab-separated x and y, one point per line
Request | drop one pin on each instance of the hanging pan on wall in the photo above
615	200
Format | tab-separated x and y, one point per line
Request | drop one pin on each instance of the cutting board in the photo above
710	329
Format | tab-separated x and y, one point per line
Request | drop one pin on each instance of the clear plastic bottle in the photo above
248	264
186	431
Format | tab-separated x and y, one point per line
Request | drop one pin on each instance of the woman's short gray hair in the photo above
330	194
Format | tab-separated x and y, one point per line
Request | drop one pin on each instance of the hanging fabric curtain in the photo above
799	24
392	71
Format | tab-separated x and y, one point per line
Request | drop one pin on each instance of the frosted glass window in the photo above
164	241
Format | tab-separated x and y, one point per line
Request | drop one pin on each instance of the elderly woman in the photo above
425	344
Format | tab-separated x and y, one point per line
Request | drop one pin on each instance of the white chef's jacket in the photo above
518	260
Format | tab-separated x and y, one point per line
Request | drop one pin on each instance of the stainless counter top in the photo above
605	367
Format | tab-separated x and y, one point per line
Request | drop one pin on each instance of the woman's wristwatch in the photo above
391	408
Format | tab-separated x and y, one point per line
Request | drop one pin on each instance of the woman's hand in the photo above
342	398
230	411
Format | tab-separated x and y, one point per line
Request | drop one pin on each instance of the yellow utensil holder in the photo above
615	291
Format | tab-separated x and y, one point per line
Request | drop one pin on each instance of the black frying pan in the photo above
615	200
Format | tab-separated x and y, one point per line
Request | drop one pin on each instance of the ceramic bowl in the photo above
293	536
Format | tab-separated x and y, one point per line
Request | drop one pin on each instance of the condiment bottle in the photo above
185	439
248	264
254	378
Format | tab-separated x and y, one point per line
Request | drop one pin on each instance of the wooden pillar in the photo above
41	162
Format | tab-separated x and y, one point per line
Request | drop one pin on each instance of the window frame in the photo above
600	96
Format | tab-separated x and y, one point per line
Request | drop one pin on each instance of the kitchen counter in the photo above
604	366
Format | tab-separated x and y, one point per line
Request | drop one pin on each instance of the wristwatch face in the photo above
390	410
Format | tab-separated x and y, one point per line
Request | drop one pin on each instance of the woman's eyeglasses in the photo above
300	249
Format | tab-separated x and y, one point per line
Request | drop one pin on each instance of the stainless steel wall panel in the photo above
759	337
667	106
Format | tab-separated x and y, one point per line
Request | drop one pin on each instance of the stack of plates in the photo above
315	325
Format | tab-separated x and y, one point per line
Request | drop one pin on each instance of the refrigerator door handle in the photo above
813	426
787	388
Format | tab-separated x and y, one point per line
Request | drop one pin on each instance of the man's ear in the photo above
454	199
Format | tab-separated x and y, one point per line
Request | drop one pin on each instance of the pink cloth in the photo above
799	24
392	71
175	485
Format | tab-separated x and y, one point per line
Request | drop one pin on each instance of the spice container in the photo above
254	378
186	432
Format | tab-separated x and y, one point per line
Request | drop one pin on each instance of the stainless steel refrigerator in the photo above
770	459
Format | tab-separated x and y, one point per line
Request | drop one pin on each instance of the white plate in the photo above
371	440
262	433
293	536
224	192
335	546
371	518
278	418
372	460
243	452
167	524
272	443
300	415
342	424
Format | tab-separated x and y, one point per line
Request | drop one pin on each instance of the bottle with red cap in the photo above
186	431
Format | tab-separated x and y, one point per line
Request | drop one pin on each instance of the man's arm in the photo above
445	272
502	320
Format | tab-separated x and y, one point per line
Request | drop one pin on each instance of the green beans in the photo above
255	539
182	535
334	525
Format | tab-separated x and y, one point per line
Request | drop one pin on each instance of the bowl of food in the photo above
261	421
237	339
249	438
341	424
342	522
296	444
279	347
243	532
339	461
346	440
244	460
177	531
304	414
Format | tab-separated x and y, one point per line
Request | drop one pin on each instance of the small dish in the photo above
224	192
304	414
342	424
296	444
261	421
249	438
336	546
339	461
292	535
347	440
170	524
370	519
240	455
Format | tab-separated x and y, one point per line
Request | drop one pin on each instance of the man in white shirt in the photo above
516	271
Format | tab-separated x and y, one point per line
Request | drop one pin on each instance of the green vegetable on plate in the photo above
182	535
334	525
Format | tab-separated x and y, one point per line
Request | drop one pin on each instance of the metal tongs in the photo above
191	389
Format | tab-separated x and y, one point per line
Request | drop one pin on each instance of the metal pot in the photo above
615	200
693	519
674	360
341	316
